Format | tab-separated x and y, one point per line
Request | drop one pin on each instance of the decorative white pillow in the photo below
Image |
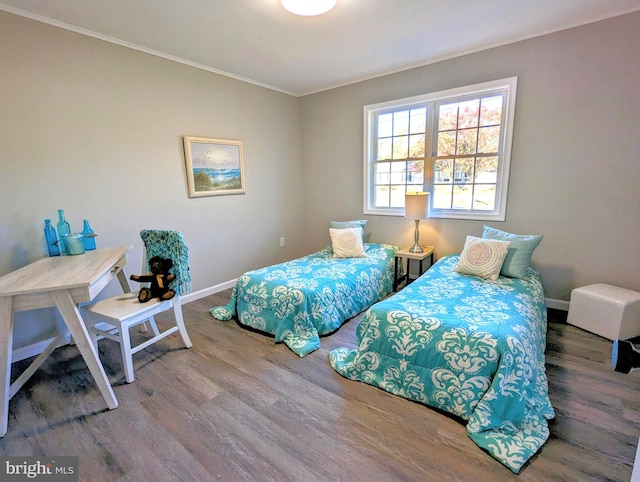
347	243
482	257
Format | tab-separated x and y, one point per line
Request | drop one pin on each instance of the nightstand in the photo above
409	256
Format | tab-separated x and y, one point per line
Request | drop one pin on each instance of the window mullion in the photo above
429	149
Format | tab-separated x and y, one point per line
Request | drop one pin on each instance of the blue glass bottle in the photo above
89	236
63	228
51	237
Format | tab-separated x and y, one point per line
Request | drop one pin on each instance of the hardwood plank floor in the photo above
237	407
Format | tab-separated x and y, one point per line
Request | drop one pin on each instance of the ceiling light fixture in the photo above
308	7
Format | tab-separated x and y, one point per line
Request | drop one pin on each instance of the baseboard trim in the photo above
211	290
557	304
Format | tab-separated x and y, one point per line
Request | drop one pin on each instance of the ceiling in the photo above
259	42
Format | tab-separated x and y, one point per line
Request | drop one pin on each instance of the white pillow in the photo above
482	257
347	243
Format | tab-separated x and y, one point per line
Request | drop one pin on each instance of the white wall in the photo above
575	168
96	129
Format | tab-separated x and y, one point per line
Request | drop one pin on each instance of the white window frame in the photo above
507	86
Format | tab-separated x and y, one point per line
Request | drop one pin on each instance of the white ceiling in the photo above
258	41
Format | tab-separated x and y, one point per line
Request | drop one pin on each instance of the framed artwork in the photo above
214	166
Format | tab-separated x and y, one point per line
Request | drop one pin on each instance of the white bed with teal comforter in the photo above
298	301
470	347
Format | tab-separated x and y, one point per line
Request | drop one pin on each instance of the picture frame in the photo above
214	166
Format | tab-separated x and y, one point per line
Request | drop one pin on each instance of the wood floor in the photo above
238	407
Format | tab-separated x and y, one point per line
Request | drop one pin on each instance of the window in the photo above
455	144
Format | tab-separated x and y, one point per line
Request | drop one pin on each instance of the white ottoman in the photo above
606	310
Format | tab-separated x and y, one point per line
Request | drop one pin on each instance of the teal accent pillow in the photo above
520	251
359	223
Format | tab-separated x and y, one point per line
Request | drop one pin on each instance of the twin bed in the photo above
467	345
301	300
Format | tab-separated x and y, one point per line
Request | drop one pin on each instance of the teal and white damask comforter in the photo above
470	347
298	301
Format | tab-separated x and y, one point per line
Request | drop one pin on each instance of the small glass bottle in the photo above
63	228
89	236
51	237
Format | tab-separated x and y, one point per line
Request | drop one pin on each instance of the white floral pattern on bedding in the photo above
470	347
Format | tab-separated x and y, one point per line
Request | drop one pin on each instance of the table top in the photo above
405	253
61	272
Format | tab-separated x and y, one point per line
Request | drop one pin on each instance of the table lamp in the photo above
416	206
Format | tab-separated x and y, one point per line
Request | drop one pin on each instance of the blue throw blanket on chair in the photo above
170	244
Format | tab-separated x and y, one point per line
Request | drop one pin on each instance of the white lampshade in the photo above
416	205
308	7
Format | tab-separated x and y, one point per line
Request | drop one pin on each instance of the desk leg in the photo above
73	320
6	347
25	375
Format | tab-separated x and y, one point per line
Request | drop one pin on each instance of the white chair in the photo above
113	317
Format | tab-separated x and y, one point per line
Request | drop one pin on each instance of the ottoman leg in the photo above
624	356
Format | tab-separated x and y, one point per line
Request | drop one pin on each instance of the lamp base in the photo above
416	239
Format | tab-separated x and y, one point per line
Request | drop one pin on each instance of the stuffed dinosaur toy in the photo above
159	279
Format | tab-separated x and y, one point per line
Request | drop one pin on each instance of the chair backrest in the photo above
169	244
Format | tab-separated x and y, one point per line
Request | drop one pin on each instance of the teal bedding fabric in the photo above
470	347
301	300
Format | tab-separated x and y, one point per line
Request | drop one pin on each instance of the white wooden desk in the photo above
61	281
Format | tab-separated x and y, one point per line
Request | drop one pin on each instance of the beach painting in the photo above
214	166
